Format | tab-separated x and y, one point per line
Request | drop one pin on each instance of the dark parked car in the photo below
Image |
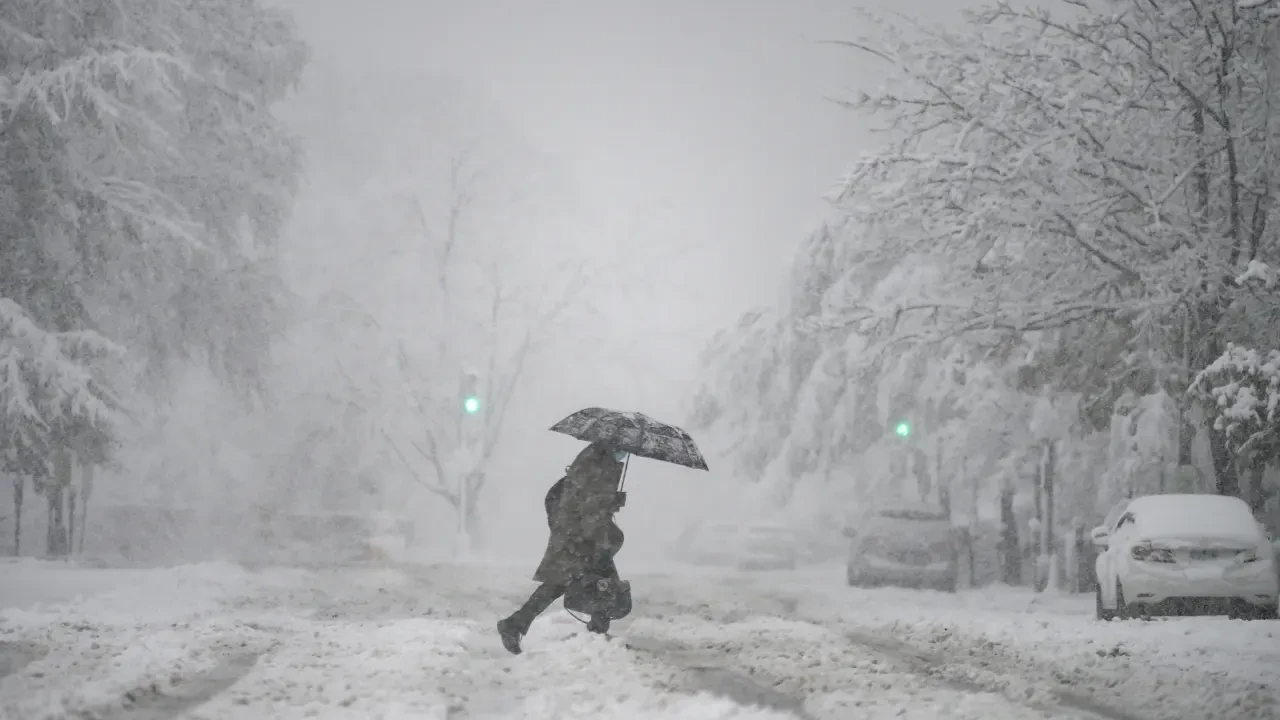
904	547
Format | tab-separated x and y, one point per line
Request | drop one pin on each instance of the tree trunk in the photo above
19	486
965	538
71	520
55	532
1257	496
1050	550
55	492
924	483
1037	537
1050	469
1011	567
937	467
1186	429
1038	499
1224	467
1044	559
86	489
1084	560
973	557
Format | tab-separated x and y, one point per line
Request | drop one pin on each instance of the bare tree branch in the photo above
439	490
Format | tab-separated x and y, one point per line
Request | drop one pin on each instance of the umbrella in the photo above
635	433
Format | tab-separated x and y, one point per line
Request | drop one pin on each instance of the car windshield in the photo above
887	534
769	539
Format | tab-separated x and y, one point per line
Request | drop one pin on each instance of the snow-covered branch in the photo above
161	166
49	390
1036	157
1242	387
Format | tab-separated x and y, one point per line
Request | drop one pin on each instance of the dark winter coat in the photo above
582	516
552	501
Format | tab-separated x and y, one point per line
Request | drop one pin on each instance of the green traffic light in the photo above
471	405
902	429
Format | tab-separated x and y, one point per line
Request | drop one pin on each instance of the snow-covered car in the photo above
770	547
904	547
1184	554
758	546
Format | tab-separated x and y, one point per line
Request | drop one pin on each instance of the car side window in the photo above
1114	515
1125	519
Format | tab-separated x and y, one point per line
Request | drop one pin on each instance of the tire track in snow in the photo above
16	655
968	676
1017	689
944	670
702	675
976	663
152	703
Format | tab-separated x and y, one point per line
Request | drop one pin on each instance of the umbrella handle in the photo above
623	480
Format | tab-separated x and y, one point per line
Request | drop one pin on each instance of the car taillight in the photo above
1146	553
1247	556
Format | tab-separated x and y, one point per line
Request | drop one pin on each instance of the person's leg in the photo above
541	599
598	624
516	626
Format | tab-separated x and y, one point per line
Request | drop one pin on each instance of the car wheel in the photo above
1101	612
1122	608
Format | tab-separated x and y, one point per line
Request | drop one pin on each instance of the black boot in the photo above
598	624
510	635
513	628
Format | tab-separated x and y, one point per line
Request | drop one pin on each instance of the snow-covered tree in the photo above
143	180
1242	393
1103	177
1069	213
152	178
51	398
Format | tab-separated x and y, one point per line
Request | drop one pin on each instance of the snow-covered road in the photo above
218	641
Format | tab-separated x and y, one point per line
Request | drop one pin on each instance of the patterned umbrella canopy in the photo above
635	433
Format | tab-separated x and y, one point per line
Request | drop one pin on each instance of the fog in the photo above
692	145
975	318
649	167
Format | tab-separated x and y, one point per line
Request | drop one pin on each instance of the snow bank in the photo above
113	595
122	631
27	582
90	669
357	670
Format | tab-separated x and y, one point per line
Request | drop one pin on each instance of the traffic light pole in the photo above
470	435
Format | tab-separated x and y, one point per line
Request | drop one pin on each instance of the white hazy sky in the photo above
700	126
